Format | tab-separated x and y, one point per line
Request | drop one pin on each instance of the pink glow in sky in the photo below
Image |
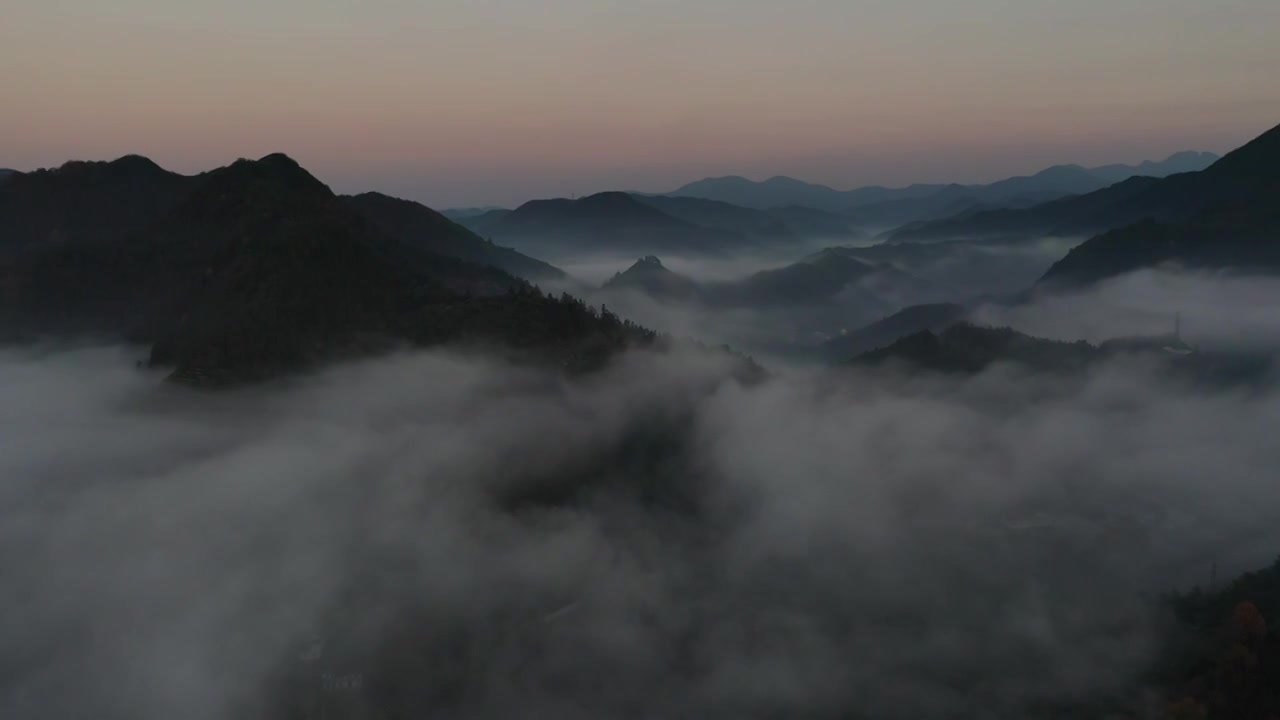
456	102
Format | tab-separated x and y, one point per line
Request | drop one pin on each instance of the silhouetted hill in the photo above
1021	191
749	222
611	221
814	279
1243	235
648	275
1180	162
86	201
775	192
886	331
460	214
416	224
1234	224
479	224
262	270
1174	198
812	222
965	348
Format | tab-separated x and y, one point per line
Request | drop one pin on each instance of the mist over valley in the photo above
976	422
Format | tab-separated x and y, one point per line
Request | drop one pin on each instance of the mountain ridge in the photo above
1061	179
261	270
1229	220
413	222
1173	197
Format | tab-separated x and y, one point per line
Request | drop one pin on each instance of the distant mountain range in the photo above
257	269
1168	199
617	222
416	224
725	215
1225	217
877	204
606	222
816	279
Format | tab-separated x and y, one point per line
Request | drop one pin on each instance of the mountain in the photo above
86	201
717	215
774	192
605	222
965	348
649	276
885	331
1233	223
262	270
811	222
5	173
1169	199
1186	161
960	202
816	278
460	214
1243	235
479	223
881	205
416	224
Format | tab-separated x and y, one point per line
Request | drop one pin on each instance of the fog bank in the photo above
447	535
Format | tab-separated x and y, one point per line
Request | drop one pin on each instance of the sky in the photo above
474	102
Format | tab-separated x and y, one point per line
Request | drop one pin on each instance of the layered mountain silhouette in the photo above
1174	198
618	222
259	269
1226	217
759	227
416	224
1186	161
609	221
876	204
106	200
744	221
778	191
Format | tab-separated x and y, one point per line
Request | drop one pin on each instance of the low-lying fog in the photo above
450	536
960	271
1215	309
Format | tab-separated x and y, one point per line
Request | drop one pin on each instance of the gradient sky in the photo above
456	102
